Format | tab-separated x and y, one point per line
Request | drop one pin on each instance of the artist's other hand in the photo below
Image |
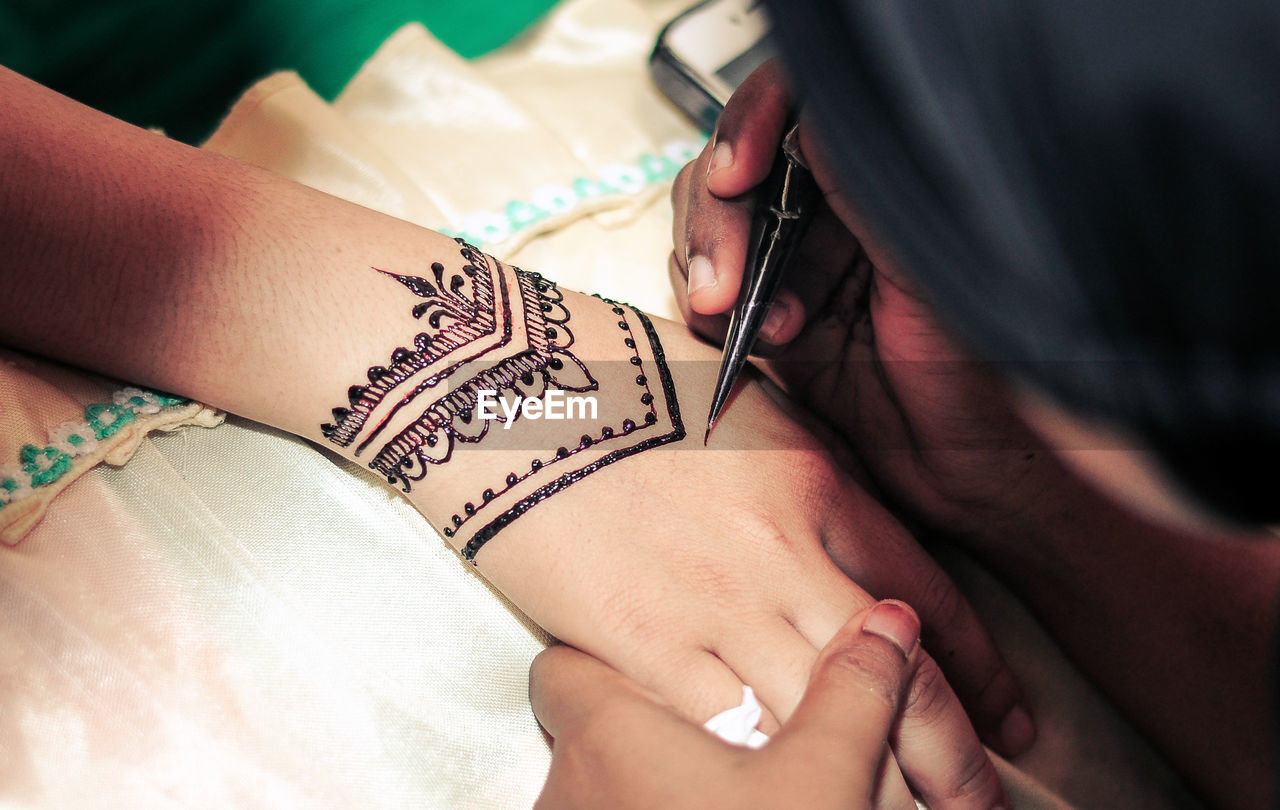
852	340
617	745
695	570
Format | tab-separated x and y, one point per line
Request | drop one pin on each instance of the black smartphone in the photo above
704	54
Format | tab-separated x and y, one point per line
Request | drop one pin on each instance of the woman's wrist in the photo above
184	271
503	392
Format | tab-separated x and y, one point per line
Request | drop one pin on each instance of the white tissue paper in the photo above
738	725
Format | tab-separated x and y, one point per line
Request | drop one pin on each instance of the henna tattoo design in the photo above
473	322
675	433
499	329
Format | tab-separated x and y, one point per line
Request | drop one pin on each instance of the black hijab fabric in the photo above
1088	192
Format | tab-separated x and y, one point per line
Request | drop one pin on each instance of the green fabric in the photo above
180	65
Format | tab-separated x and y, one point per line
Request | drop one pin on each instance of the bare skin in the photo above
1134	586
166	266
611	736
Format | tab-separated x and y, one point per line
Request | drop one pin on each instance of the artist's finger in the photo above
711	236
680	190
778	329
568	689
711	327
899	568
838	731
748	133
970	659
783	323
891	792
937	748
712	217
616	740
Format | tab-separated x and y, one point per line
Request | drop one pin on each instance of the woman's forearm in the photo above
693	570
415	355
156	262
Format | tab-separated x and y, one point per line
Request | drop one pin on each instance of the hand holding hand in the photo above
852	339
695	570
617	745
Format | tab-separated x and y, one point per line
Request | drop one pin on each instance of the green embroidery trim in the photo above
106	420
42	465
490	227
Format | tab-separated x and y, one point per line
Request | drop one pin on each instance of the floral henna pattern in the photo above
493	328
545	362
632	437
473	322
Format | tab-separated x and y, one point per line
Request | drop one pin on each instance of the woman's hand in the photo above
618	745
851	339
697	569
692	569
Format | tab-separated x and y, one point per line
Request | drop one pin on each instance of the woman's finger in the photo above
778	678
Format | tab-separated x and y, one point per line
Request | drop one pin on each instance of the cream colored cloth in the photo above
237	619
57	424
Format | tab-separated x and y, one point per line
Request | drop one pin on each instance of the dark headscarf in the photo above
1089	194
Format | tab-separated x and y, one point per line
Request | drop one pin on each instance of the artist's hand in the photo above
692	568
697	569
618	745
853	341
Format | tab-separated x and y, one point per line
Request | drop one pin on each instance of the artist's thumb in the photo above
841	727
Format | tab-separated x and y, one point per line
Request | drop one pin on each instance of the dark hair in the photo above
1089	194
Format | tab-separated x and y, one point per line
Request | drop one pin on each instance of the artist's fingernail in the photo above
896	623
773	322
1017	731
701	274
721	156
